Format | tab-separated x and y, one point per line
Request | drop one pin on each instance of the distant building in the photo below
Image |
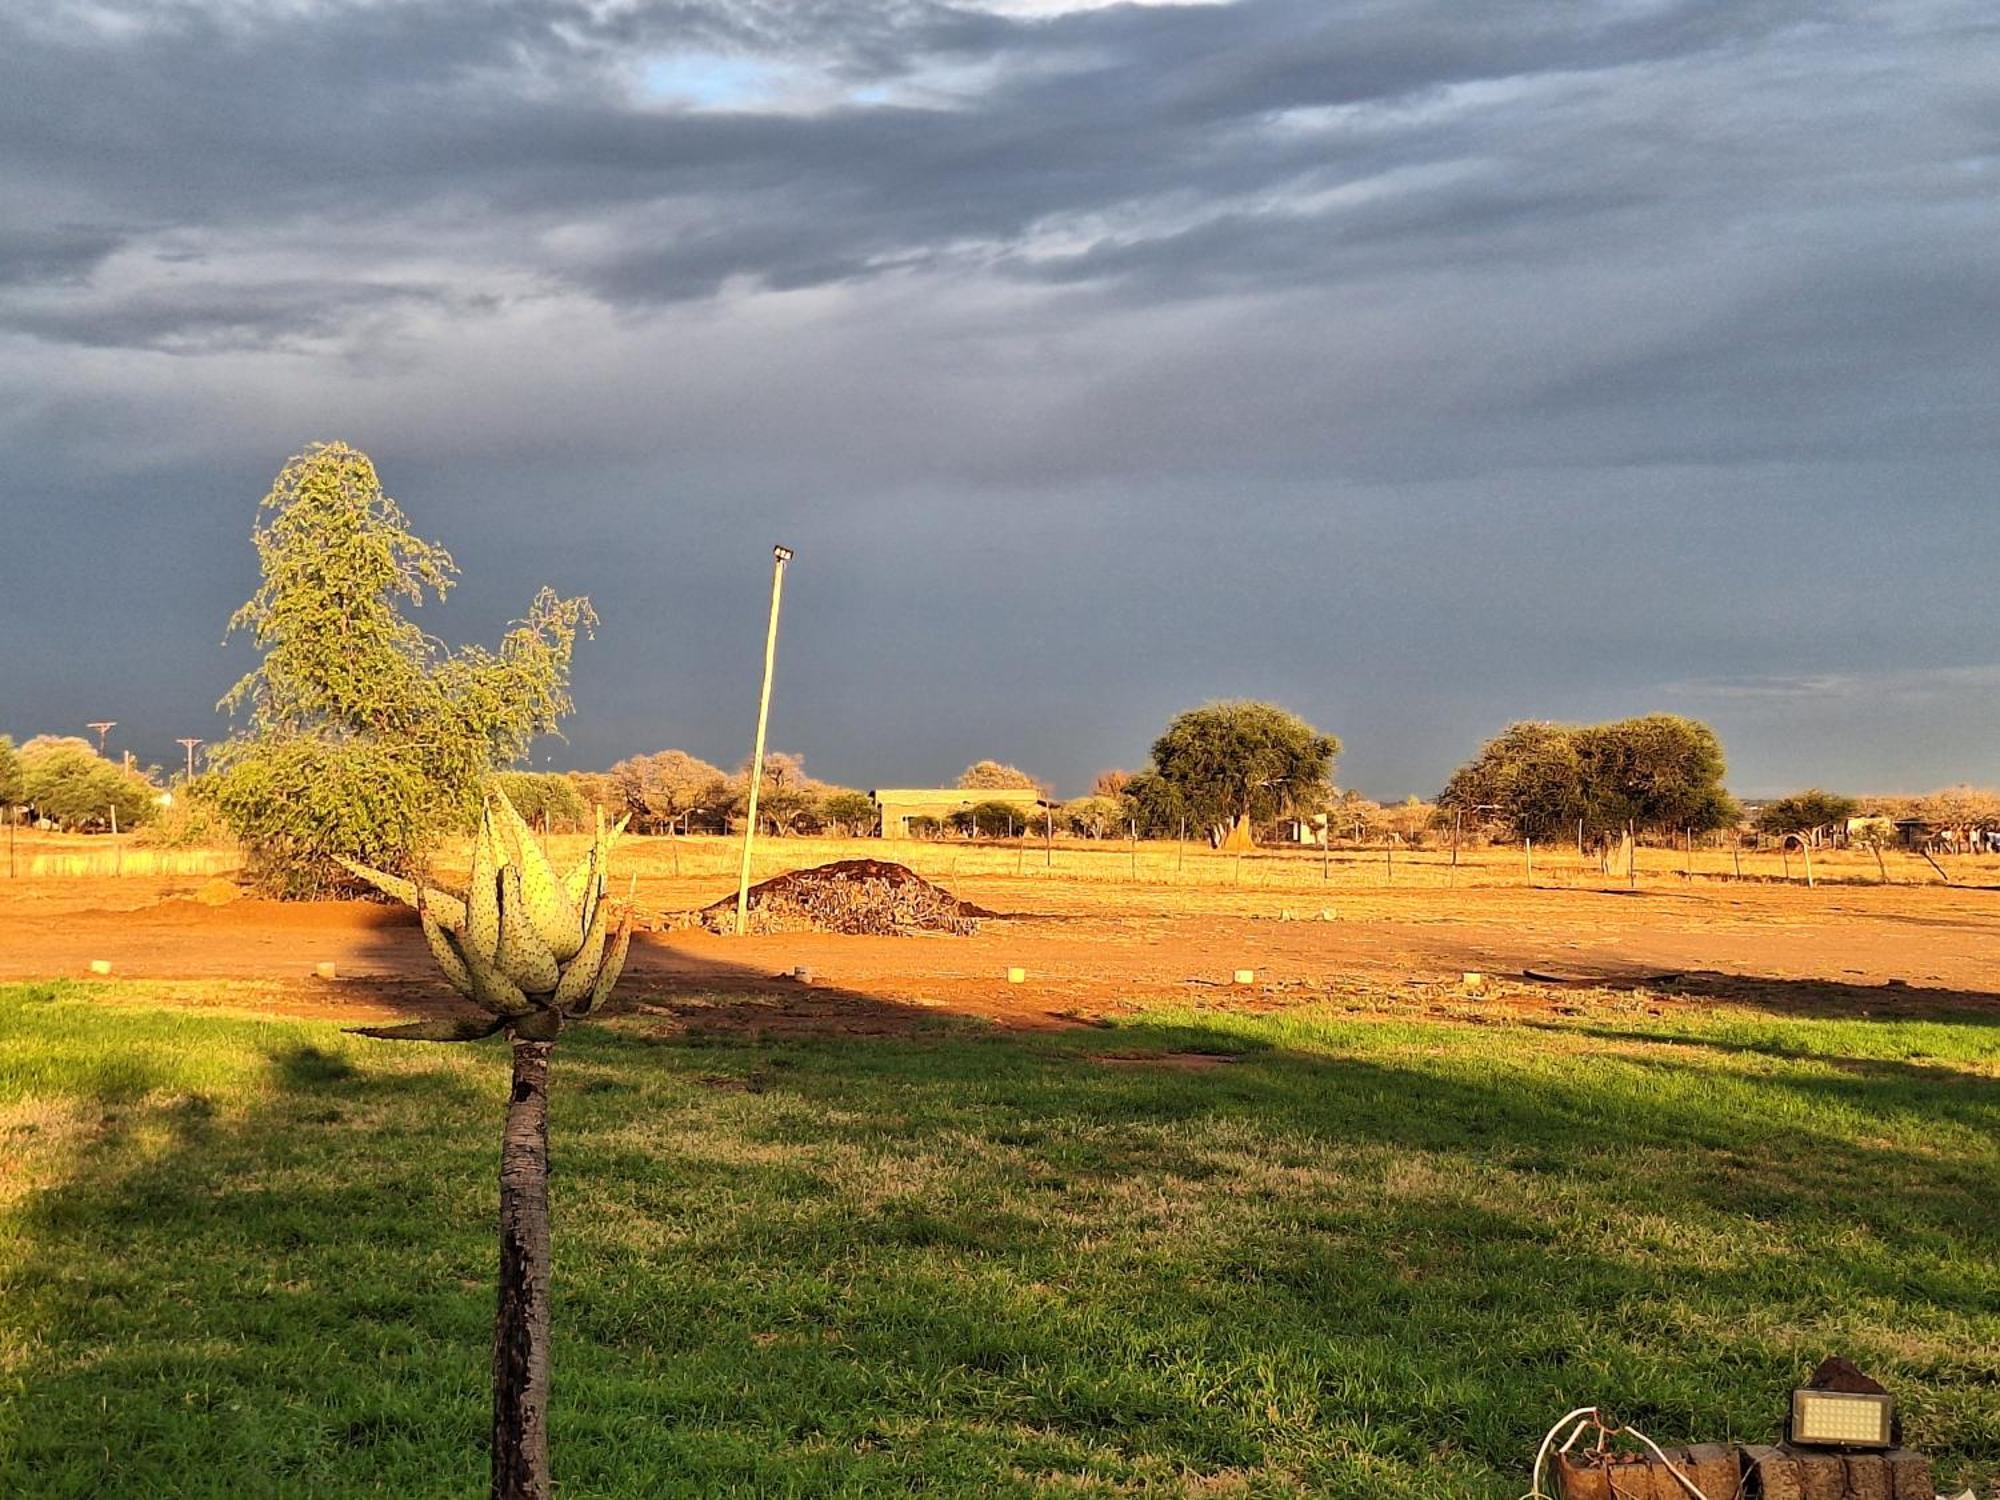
897	806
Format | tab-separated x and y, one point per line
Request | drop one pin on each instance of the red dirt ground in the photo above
1894	949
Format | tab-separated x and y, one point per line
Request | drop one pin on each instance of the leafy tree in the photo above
1093	817
848	812
547	799
990	775
1659	772
1242	760
785	797
66	781
1529	778
355	713
659	789
1110	784
1156	804
990	820
1804	812
10	774
596	789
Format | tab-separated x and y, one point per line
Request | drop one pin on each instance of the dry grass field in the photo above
1360	1226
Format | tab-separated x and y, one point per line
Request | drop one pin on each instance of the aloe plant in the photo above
534	951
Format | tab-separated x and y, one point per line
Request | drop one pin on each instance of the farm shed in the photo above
897	806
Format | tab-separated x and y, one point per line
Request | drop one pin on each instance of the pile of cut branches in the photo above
869	896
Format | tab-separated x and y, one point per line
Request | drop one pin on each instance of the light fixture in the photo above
1842	1419
783	554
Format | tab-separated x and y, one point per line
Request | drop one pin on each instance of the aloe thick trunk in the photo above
521	1324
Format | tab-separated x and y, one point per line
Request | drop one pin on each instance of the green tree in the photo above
1805	812
1094	817
10	774
1240	760
354	712
66	781
990	820
990	775
1155	804
1529	779
848	812
547	799
1659	772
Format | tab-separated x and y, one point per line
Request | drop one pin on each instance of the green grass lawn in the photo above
245	1258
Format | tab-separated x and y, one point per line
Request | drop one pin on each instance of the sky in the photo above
1419	366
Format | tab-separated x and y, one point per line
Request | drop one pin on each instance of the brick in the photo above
1868	1477
1770	1474
1713	1467
1909	1475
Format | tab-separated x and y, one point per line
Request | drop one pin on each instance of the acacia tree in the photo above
1529	777
1240	762
785	795
1659	772
661	789
10	775
66	781
366	737
849	812
991	775
1805	813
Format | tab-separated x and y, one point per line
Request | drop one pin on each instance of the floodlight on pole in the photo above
189	746
780	556
103	727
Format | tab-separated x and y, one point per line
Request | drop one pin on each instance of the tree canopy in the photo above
991	775
353	711
1233	760
1804	812
663	788
10	773
66	781
1657	772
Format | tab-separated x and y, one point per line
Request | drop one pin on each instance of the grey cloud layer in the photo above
1103	266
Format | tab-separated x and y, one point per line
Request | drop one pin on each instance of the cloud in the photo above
1604	312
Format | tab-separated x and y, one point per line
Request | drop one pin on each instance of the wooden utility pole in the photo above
188	745
780	556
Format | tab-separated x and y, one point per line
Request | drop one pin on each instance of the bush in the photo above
989	820
190	821
310	799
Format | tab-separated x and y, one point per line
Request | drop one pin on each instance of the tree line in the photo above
360	736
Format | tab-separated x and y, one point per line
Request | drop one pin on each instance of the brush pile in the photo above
866	896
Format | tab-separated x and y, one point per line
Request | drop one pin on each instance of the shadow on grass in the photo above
792	1259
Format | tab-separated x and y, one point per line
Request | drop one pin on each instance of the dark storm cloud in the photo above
1121	356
